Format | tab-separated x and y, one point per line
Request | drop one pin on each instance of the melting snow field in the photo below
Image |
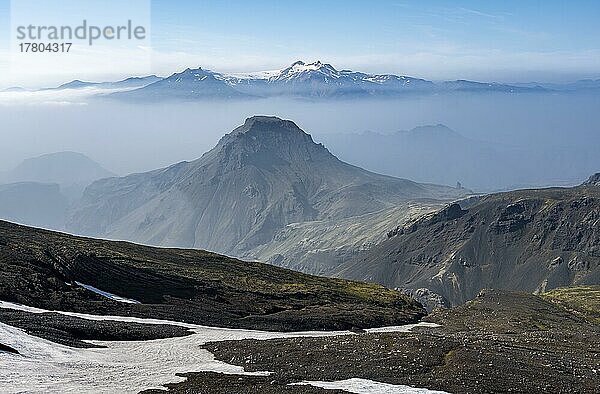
364	386
128	367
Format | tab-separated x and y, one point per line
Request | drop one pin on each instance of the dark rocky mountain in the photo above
594	180
35	204
47	270
260	178
530	240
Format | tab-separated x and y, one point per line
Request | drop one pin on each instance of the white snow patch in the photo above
124	367
405	328
364	386
260	75
106	294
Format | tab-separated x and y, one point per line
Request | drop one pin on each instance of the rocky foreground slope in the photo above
530	240
498	343
51	271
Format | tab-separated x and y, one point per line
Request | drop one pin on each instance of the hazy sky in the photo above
507	41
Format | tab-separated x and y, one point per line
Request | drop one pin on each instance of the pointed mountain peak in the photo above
314	66
301	69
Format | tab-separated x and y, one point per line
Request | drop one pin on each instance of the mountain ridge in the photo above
527	240
316	80
320	80
47	270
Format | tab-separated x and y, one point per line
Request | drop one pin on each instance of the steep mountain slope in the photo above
531	240
320	246
47	270
35	204
264	175
594	180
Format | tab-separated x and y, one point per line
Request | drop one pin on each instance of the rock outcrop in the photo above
530	240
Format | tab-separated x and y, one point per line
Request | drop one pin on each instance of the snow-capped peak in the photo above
300	66
257	75
302	70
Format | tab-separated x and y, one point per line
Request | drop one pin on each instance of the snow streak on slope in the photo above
108	295
125	367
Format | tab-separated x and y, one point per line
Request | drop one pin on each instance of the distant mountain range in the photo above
438	154
252	196
129	83
187	85
299	80
47	269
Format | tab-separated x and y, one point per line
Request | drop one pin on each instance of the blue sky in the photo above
503	41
